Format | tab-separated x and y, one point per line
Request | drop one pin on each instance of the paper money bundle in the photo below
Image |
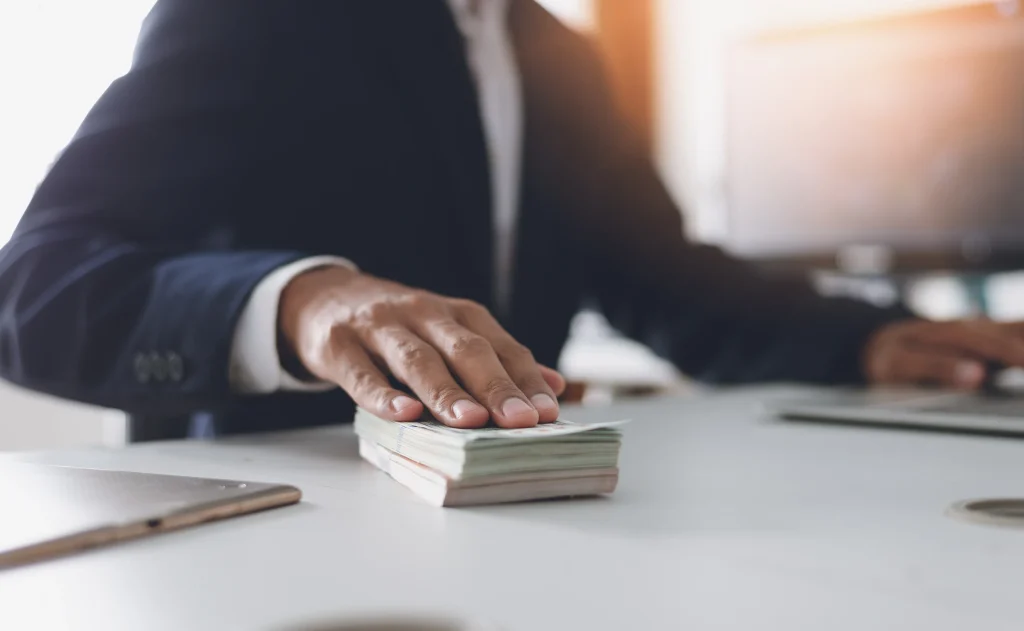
457	467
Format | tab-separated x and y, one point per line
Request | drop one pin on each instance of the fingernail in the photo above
544	402
402	403
969	373
463	408
516	407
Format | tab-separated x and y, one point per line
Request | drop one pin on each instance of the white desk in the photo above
724	519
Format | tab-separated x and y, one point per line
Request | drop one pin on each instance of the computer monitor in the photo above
897	141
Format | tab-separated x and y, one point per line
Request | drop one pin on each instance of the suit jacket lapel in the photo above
429	60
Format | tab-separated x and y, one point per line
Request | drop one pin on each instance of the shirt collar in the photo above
470	21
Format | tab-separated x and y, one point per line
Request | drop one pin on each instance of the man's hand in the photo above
352	329
949	354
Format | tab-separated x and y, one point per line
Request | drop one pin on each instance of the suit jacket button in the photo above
159	366
175	367
143	368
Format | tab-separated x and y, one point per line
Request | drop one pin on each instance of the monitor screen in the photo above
905	134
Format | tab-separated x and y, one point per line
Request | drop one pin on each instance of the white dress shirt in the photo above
255	364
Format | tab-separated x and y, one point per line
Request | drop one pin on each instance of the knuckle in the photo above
389	334
499	388
447	328
374	313
468	346
419	301
363	381
411	354
443	395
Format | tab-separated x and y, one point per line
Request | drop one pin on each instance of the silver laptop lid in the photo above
51	510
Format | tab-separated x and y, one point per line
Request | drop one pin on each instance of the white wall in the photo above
56	58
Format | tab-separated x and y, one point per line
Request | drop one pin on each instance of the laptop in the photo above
50	511
992	411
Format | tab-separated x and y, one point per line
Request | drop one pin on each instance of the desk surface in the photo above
724	519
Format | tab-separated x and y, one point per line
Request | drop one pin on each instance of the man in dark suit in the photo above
281	198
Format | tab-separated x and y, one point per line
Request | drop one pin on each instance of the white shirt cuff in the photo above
255	366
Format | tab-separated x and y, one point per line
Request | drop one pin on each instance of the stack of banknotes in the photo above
458	467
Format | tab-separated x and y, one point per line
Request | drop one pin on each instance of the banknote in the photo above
561	427
466	453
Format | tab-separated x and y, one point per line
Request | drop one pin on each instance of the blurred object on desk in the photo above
602	365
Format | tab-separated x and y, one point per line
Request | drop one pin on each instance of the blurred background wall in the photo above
671	63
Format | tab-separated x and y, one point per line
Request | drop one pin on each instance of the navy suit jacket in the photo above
250	133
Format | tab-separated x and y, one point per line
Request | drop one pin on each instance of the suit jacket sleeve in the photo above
714	316
125	254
